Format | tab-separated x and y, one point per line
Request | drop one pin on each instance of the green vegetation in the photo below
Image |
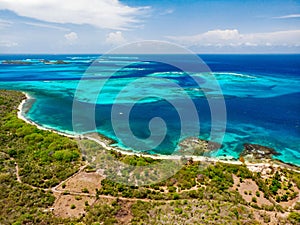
297	206
103	212
133	160
85	190
193	181
19	202
279	186
191	212
44	159
294	217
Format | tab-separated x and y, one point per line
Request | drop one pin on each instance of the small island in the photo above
57	62
16	62
24	62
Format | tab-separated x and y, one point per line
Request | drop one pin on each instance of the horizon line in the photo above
207	53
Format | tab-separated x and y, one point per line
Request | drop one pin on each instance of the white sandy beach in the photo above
22	117
255	167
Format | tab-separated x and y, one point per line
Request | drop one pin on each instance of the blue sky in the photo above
95	26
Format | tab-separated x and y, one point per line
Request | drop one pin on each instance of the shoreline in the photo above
22	117
251	166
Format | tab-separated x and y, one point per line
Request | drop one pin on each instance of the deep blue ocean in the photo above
261	94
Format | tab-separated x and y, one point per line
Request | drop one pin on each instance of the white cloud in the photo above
221	38
100	13
167	11
71	37
43	25
115	38
8	44
288	16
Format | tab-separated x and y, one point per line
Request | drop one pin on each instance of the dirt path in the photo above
17	172
54	189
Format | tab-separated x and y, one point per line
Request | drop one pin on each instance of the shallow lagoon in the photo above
261	93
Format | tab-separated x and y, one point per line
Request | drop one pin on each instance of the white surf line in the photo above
161	157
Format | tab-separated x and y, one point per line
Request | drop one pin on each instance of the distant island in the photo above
23	62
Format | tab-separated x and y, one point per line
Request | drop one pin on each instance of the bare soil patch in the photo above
89	181
249	190
124	215
68	206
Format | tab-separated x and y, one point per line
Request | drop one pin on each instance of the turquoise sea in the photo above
261	94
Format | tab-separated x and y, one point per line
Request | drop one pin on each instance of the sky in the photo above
202	26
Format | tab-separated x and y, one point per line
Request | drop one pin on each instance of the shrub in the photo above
297	206
294	216
267	218
172	189
85	190
176	196
284	198
66	193
178	210
78	198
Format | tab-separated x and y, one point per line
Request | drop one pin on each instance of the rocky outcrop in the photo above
197	147
254	151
